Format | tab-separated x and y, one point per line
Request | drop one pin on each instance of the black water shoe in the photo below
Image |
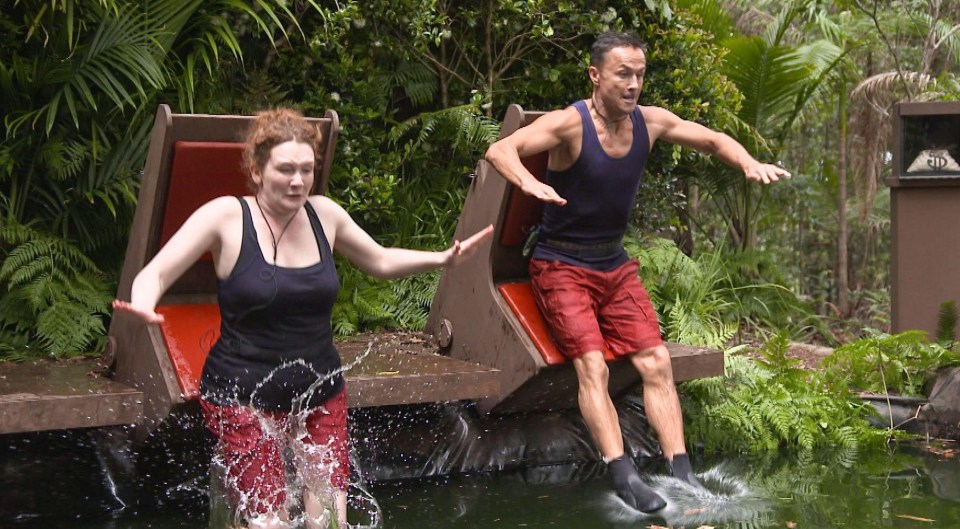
680	469
631	488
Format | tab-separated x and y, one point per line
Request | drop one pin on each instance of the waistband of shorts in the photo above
602	249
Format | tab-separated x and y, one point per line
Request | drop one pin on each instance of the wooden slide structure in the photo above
484	310
493	345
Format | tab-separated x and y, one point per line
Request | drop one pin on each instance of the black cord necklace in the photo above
276	240
606	121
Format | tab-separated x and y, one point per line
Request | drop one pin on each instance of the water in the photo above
889	491
90	480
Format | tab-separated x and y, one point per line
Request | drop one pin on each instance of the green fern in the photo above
704	300
884	363
362	302
464	126
56	297
414	296
688	294
417	81
767	403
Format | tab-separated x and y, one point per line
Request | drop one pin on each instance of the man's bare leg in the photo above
662	405
595	404
601	418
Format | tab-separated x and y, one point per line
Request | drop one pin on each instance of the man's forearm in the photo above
732	153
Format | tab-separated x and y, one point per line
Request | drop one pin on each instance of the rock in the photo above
942	413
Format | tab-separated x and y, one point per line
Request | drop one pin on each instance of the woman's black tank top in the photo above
275	350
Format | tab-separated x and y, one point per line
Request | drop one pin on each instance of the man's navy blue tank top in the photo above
276	350
600	191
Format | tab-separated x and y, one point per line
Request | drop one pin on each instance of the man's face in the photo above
619	80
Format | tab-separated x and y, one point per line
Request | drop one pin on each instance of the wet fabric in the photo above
601	192
275	350
252	444
587	310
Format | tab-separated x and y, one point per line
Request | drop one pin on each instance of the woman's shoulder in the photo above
221	208
324	204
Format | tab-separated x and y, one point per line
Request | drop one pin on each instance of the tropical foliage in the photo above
883	363
703	300
770	403
420	85
57	297
79	80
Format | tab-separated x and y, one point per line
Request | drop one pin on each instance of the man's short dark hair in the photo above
614	39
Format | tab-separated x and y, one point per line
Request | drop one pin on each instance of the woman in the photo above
274	376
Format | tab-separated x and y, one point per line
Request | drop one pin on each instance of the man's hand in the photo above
541	191
765	172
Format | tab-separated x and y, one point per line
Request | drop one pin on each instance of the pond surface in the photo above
52	481
888	491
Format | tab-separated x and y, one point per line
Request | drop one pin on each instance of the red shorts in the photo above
587	310
252	443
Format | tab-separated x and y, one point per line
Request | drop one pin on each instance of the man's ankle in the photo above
631	489
679	468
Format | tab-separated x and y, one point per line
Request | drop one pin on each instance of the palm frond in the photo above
883	89
465	126
116	66
769	78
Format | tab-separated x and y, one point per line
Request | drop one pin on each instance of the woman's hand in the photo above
463	250
147	315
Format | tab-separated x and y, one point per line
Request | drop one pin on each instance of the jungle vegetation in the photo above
805	83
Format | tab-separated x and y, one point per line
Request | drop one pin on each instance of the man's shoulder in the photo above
654	112
658	120
563	121
568	113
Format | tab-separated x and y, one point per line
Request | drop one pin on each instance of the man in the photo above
585	285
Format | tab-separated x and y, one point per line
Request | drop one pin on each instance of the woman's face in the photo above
287	178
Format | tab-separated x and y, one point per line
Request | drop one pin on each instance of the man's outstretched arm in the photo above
667	126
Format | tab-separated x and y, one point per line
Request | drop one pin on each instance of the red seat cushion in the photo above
189	332
519	296
200	172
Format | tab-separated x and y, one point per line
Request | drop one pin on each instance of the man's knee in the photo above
592	370
654	364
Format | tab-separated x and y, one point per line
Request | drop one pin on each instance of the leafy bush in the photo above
688	294
366	303
769	403
55	300
888	363
79	82
704	300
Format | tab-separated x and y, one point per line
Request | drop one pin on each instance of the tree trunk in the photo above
843	302
488	51
687	215
442	75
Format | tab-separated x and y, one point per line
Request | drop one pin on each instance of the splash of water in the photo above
724	497
305	464
112	449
